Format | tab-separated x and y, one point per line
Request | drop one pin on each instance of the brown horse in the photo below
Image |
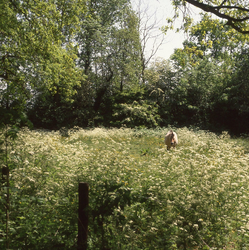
171	139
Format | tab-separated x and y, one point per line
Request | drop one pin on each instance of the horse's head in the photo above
172	139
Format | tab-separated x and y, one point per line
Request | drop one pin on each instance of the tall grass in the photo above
141	195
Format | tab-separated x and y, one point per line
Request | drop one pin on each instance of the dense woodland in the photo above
82	63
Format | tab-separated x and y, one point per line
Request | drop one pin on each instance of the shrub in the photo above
137	114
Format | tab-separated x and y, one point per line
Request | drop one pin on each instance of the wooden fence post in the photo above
83	215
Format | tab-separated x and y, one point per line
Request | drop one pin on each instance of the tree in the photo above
106	40
237	95
125	60
215	38
148	27
236	13
163	88
36	50
108	52
212	69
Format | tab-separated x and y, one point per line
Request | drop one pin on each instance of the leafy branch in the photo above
237	16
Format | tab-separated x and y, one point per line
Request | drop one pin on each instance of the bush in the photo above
137	114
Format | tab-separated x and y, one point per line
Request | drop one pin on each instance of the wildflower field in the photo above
142	196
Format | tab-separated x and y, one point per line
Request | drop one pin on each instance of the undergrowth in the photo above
142	196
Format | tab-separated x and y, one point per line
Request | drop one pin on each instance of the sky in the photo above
163	9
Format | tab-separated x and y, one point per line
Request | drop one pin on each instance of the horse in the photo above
171	139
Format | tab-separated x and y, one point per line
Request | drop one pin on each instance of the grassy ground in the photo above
141	195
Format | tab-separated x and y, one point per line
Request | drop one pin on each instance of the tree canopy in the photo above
36	39
82	63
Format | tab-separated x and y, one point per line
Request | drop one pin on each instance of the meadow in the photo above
142	196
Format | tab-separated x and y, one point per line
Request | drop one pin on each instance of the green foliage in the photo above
137	114
37	50
142	196
80	63
236	94
201	87
233	12
105	39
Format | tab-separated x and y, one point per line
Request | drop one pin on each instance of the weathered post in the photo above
83	215
6	182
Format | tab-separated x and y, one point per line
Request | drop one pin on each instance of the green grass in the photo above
142	196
